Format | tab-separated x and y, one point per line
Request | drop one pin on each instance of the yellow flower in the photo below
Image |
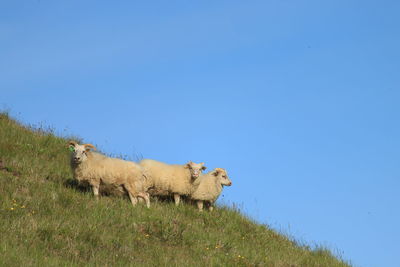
12	209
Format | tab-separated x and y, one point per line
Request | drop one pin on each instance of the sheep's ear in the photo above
88	147
71	145
203	167
216	172
187	165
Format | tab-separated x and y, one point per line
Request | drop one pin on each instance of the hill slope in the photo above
46	220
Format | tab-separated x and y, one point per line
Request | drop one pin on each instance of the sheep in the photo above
208	187
99	170
166	179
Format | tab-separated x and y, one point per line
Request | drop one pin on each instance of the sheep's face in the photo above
195	169
222	176
79	152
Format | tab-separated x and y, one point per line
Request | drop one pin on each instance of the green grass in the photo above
45	220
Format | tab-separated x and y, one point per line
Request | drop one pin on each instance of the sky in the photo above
298	100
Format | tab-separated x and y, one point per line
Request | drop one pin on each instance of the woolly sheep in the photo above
99	170
208	187
165	179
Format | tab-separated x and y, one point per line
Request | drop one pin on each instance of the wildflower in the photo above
12	209
23	207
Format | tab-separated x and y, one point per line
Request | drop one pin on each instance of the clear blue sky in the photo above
298	100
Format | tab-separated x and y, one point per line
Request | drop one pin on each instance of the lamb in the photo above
99	170
166	179
208	187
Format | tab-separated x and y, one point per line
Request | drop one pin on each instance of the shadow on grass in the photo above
75	185
105	190
5	168
112	191
170	199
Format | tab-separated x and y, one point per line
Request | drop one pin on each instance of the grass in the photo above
46	220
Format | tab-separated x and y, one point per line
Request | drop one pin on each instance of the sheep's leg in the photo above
95	188
145	197
210	205
177	199
132	197
200	205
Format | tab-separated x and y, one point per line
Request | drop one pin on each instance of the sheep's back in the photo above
108	170
167	178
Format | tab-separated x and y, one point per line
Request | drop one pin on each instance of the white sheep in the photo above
208	187
166	179
99	170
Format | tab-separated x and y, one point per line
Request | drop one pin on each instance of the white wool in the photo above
166	179
208	187
98	170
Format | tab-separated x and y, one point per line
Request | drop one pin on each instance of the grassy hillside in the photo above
46	220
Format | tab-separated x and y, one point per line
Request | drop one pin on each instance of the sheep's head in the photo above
79	152
195	168
222	176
